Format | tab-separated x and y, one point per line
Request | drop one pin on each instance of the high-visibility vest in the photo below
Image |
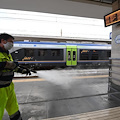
6	75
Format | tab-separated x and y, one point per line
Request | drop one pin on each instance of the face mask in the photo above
8	45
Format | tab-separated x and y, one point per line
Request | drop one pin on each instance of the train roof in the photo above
53	43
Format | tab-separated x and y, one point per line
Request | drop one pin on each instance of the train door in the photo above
71	56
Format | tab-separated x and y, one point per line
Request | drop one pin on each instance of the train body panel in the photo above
48	54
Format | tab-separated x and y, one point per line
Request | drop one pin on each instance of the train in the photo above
43	55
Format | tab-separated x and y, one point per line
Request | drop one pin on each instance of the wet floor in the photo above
63	92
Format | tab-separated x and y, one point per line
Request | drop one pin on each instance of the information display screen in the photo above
112	18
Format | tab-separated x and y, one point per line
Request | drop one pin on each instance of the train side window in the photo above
69	55
58	52
74	55
84	54
41	52
94	54
55	52
29	52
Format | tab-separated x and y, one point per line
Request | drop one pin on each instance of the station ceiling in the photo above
81	8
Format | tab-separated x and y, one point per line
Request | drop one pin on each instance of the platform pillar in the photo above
115	56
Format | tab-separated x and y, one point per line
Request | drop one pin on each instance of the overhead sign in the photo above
117	39
112	18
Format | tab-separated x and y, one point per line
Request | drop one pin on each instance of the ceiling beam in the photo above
94	2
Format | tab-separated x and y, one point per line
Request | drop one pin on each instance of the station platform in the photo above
106	114
65	94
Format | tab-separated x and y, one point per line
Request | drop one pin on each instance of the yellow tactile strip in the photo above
97	76
106	114
28	80
41	79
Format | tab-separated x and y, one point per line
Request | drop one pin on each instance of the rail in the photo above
113	81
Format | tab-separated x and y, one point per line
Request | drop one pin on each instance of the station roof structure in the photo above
80	8
104	1
61	39
99	1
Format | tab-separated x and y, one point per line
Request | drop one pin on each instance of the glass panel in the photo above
89	55
74	55
94	55
108	54
84	54
41	52
29	52
69	55
55	52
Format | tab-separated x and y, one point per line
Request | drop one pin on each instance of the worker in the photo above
8	99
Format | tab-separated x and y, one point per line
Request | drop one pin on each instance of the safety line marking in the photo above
28	80
98	76
41	79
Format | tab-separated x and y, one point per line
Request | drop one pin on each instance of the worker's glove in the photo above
26	71
11	65
23	70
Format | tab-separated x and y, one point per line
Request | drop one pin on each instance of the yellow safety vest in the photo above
6	75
